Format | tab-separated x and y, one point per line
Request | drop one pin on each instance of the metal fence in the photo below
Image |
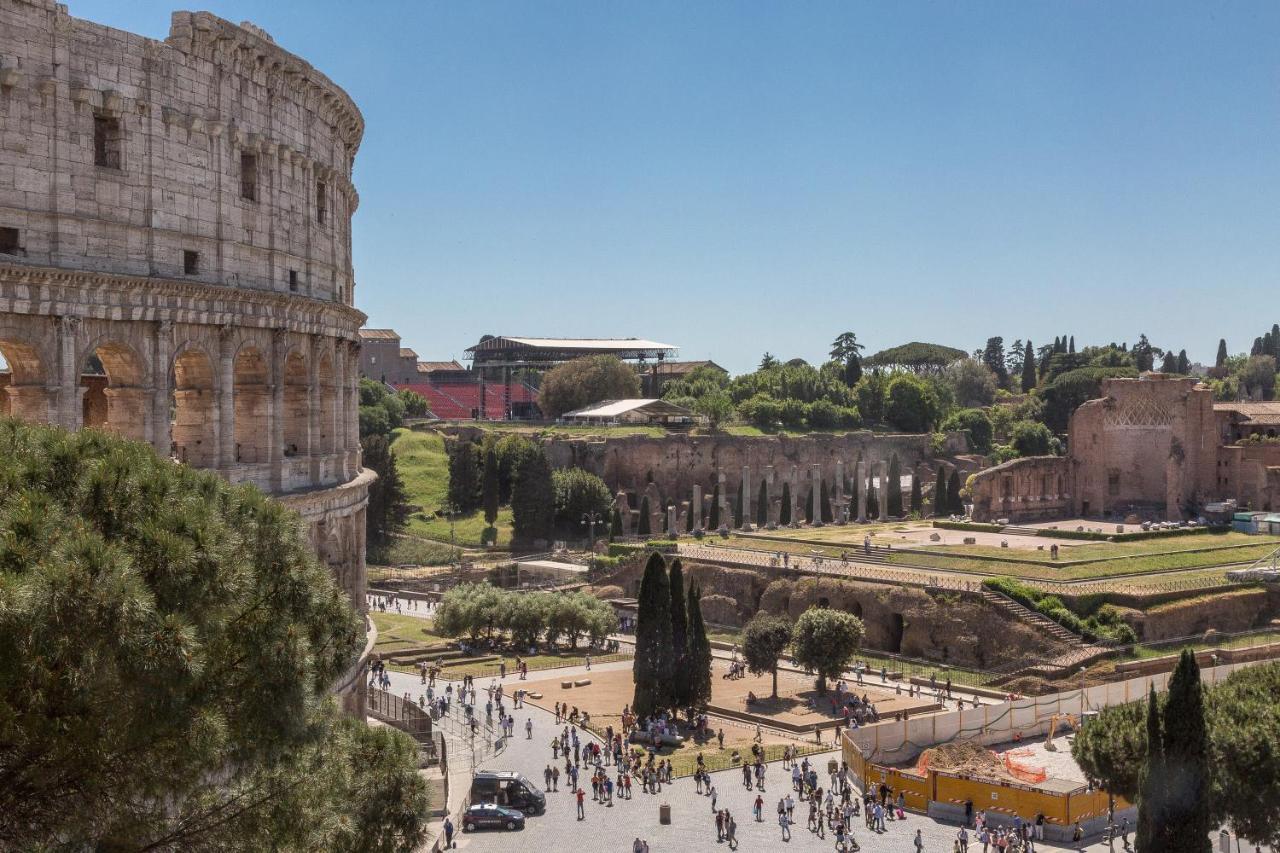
406	716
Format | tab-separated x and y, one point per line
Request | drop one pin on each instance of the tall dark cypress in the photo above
824	504
784	512
893	487
954	502
1071	345
1028	369
644	528
680	681
651	669
615	524
699	660
917	497
1150	835
873	501
762	505
1187	822
489	487
1221	359
714	522
940	508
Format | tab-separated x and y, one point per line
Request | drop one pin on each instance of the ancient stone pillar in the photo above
726	508
883	494
795	495
672	530
623	507
315	405
815	499
162	347
62	402
838	492
697	506
340	410
771	518
861	474
226	397
748	508
275	409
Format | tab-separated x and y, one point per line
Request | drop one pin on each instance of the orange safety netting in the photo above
1024	772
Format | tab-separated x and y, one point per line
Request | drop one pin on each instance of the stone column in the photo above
161	431
771	517
862	491
672	529
697	506
795	495
339	425
62	406
748	508
225	397
351	405
623	507
314	405
838	492
726	508
815	500
275	408
885	486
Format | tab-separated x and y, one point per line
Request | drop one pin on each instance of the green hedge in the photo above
623	549
1137	536
1105	624
975	526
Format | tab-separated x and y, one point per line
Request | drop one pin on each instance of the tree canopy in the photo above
764	639
824	642
584	381
916	357
167	651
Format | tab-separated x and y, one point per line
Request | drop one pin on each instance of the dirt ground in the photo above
796	691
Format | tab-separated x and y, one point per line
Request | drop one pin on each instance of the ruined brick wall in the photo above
1238	610
1031	489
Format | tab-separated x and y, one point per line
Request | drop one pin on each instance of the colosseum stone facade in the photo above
175	255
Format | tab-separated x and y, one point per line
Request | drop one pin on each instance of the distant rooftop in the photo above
379	335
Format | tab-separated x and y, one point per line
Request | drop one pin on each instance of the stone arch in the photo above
327	440
194	408
252	402
113	393
297	404
24	379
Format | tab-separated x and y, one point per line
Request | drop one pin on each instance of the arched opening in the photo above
855	608
252	402
897	627
296	405
194	411
327	440
22	383
113	398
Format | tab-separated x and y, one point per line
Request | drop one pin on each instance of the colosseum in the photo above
175	256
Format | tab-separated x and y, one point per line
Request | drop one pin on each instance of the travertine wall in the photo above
247	364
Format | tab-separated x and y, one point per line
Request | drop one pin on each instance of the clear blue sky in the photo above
739	177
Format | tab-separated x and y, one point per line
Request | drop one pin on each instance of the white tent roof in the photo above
617	408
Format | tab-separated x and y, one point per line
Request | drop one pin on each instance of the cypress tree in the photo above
808	505
784	512
464	476
1150	836
688	520
489	487
740	511
893	488
1057	344
824	498
714	522
699	660
1275	339
873	502
533	499
1184	363
940	495
1028	369
1071	345
615	524
644	528
680	682
917	497
1221	360
762	505
1187	822
651	669
954	501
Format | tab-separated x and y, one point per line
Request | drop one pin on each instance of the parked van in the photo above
508	788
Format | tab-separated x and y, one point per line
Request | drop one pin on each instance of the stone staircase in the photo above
1030	617
1014	530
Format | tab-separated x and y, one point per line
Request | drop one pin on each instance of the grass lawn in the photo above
396	631
409	550
424	468
565	657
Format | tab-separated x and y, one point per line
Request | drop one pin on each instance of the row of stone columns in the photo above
674	518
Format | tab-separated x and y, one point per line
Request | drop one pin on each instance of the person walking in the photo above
712	791
719	826
731	830
963	838
582	797
528	728
546	777
785	823
555	778
919	841
448	833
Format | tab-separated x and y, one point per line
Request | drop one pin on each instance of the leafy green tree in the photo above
533	500
1112	749
489	486
381	409
1185	763
512	450
893	487
994	360
784	511
388	508
681	680
699	659
1031	439
1184	363
846	350
1069	389
415	405
954	502
644	528
716	408
585	381
1028	370
1144	354
167	651
824	642
869	394
919	358
578	494
1169	364
917	496
972	382
976	424
464	476
768	362
652	667
911	404
764	639
1259	376
940	506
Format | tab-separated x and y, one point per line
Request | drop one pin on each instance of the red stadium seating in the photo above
461	400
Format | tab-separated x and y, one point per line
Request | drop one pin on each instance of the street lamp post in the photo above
591	519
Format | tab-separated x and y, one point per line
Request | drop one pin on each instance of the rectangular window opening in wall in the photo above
322	202
9	242
249	177
293	280
190	262
108	141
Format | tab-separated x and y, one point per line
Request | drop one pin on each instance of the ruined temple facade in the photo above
175	257
1156	446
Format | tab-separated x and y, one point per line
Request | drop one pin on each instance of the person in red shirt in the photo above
581	798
